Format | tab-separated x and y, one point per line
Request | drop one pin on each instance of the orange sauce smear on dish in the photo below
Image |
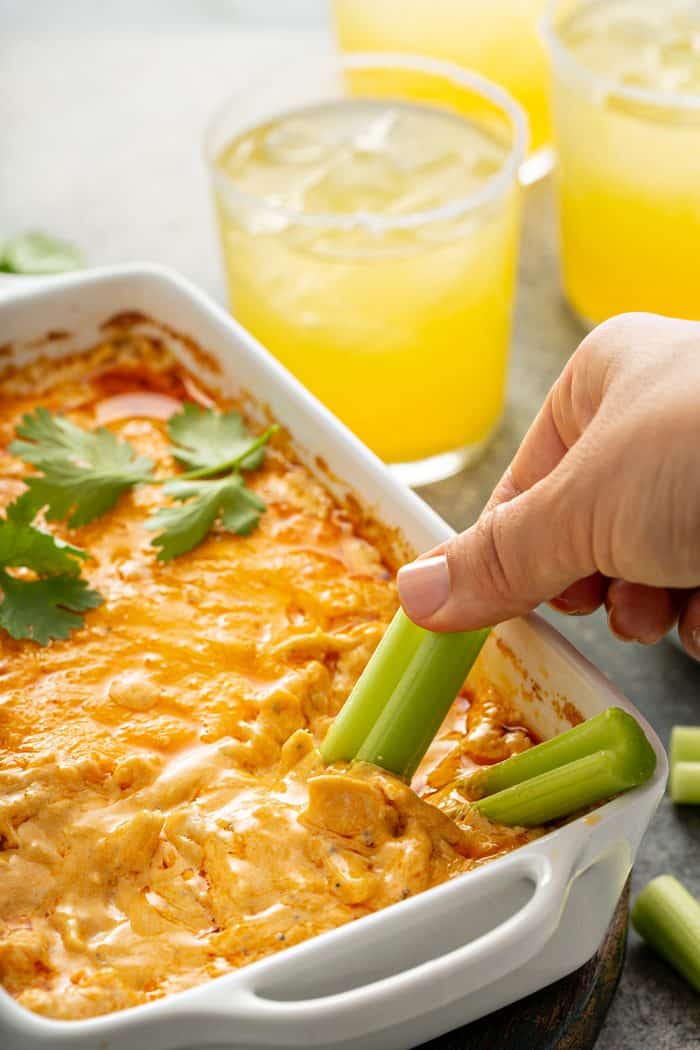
165	817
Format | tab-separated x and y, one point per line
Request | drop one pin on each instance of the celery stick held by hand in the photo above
407	688
402	697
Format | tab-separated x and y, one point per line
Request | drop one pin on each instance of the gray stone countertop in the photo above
101	118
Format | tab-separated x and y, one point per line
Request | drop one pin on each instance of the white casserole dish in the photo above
433	962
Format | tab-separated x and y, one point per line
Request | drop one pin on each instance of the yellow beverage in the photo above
498	38
627	109
359	250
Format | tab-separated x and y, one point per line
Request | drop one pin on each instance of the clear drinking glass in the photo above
499	39
626	94
370	243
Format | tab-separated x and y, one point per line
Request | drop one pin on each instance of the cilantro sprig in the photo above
218	447
200	504
215	441
83	473
45	598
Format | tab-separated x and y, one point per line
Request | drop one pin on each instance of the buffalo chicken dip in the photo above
165	817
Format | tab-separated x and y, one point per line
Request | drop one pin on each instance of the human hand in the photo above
600	504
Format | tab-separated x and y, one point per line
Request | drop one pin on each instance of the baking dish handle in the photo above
285	1018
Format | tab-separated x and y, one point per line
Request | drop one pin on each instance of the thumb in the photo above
518	554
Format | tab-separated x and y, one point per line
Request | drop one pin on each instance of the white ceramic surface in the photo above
433	962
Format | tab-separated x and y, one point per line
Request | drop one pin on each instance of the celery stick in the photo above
612	730
586	764
668	918
420	700
685	782
685	744
559	792
373	689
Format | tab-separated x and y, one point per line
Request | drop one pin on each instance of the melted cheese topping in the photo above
164	813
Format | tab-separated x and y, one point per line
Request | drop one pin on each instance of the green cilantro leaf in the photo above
209	440
82	475
209	443
45	608
84	471
24	546
48	604
22	510
201	504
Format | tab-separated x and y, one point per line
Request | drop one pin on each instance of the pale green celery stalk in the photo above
558	781
402	696
557	793
373	689
668	918
421	697
612	730
685	782
685	744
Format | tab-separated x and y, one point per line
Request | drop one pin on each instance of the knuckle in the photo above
602	363
601	347
621	327
621	340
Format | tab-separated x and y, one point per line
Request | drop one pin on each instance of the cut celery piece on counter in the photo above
685	744
685	783
667	916
402	696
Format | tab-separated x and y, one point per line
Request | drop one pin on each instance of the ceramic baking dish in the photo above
433	962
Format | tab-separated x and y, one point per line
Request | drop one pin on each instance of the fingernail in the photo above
696	640
617	630
424	586
565	605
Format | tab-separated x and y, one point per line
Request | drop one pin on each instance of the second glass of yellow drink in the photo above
499	39
627	113
370	243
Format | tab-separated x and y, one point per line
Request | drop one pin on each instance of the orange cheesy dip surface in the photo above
164	813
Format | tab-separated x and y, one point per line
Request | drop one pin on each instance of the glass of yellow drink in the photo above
370	243
627	116
499	39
